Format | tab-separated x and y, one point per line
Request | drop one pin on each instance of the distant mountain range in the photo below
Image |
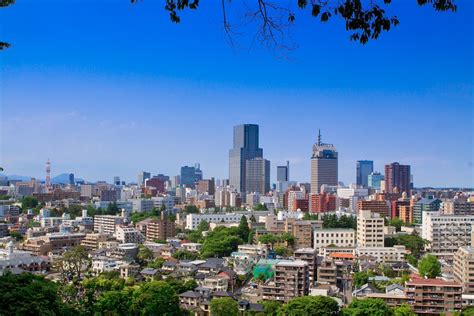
63	178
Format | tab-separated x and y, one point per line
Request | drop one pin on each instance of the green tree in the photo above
361	278
185	255
144	254
270	308
397	223
113	303
244	229
157	263
191	209
112	209
155	298
310	305
429	266
260	207
251	237
181	286
367	307
203	226
268	239
28	202
412	242
221	242
29	294
282	251
17	235
403	310
75	261
288	238
224	307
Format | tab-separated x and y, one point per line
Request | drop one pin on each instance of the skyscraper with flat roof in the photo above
245	148
324	165
257	175
283	172
397	178
363	169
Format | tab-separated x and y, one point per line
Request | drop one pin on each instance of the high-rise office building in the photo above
363	170
374	180
245	148
117	180
397	178
257	175
190	175
283	172
142	176
323	165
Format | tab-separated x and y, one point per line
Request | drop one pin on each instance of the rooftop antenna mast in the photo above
319	137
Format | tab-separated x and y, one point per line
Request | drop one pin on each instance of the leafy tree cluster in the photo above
4	197
191	209
185	255
310	217
196	235
17	235
333	221
28	202
260	207
429	266
221	242
412	242
396	222
154	213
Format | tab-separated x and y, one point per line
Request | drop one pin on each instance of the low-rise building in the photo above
291	280
338	237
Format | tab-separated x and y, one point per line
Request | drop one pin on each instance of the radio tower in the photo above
48	175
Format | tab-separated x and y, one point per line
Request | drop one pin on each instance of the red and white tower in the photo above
48	175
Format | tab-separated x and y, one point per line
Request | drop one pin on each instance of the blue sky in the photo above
107	88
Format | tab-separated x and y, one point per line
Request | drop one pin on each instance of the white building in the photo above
353	194
127	234
193	220
383	254
446	233
339	237
370	229
107	223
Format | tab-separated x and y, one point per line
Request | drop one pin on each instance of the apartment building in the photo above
457	206
464	269
291	280
446	233
308	255
160	229
380	207
107	223
339	237
434	296
370	229
91	241
127	234
383	254
301	230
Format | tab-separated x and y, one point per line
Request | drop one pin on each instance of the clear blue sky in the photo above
107	88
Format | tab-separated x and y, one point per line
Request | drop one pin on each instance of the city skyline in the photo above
121	108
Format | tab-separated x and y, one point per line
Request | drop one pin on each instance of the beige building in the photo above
301	230
107	223
91	241
370	229
383	254
464	268
127	234
160	229
308	255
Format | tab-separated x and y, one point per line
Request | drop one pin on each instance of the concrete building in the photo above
245	147
127	234
457	206
370	229
339	237
324	165
383	254
301	230
374	180
142	205
429	204
464	269
353	194
321	203
397	178
107	223
380	207
291	280
446	233
142	176
283	173
363	169
193	220
257	175
190	176
206	186
434	296
91	241
160	229
308	255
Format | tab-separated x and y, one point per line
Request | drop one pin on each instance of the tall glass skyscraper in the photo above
364	168
245	148
324	165
283	172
